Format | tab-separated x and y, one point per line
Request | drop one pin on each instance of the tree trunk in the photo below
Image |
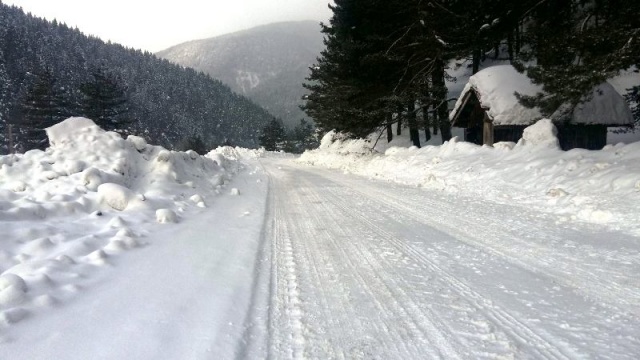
426	104
400	110
10	130
440	99
412	121
487	131
427	123
389	129
510	46
476	60
518	38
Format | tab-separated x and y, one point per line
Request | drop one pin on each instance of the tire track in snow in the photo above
615	337
569	270
285	280
383	334
369	282
334	294
536	343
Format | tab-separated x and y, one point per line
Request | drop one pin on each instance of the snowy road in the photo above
370	270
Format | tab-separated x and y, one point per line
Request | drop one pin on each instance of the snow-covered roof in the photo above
606	107
496	86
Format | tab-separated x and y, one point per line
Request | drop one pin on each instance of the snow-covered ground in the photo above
111	248
116	249
600	187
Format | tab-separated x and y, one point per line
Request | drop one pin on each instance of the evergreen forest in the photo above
49	71
386	62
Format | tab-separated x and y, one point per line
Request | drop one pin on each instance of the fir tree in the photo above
5	131
105	101
578	45
273	136
303	137
44	106
194	143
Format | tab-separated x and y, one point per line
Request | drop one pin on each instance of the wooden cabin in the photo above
489	111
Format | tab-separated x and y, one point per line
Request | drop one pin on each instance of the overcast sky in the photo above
157	24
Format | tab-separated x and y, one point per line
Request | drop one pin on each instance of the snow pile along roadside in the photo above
90	197
593	186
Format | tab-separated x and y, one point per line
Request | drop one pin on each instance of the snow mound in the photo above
164	216
69	210
116	196
542	133
12	290
65	131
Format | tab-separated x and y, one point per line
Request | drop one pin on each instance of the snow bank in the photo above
542	133
68	210
592	186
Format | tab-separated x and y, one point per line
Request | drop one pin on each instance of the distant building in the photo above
489	111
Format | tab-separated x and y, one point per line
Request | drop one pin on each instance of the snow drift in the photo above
578	185
92	195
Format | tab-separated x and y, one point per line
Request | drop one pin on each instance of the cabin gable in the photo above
489	112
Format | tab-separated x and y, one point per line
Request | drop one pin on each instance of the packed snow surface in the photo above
496	87
113	248
577	185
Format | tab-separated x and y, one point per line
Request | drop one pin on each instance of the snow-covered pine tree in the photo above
273	135
5	131
44	105
105	101
578	44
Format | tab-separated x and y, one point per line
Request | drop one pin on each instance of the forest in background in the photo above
167	104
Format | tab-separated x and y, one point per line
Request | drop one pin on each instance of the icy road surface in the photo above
359	269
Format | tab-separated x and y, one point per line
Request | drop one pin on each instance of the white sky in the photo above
157	24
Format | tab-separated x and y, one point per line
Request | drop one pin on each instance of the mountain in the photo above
167	102
268	63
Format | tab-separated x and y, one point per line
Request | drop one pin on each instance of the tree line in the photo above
386	62
45	104
167	104
275	137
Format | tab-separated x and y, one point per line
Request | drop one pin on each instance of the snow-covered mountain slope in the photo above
268	63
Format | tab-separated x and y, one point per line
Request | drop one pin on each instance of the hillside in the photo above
267	63
167	102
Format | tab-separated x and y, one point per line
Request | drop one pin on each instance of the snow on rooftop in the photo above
496	87
606	107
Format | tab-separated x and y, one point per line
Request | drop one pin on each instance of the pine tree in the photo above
303	137
5	131
43	106
105	101
273	136
194	143
579	44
